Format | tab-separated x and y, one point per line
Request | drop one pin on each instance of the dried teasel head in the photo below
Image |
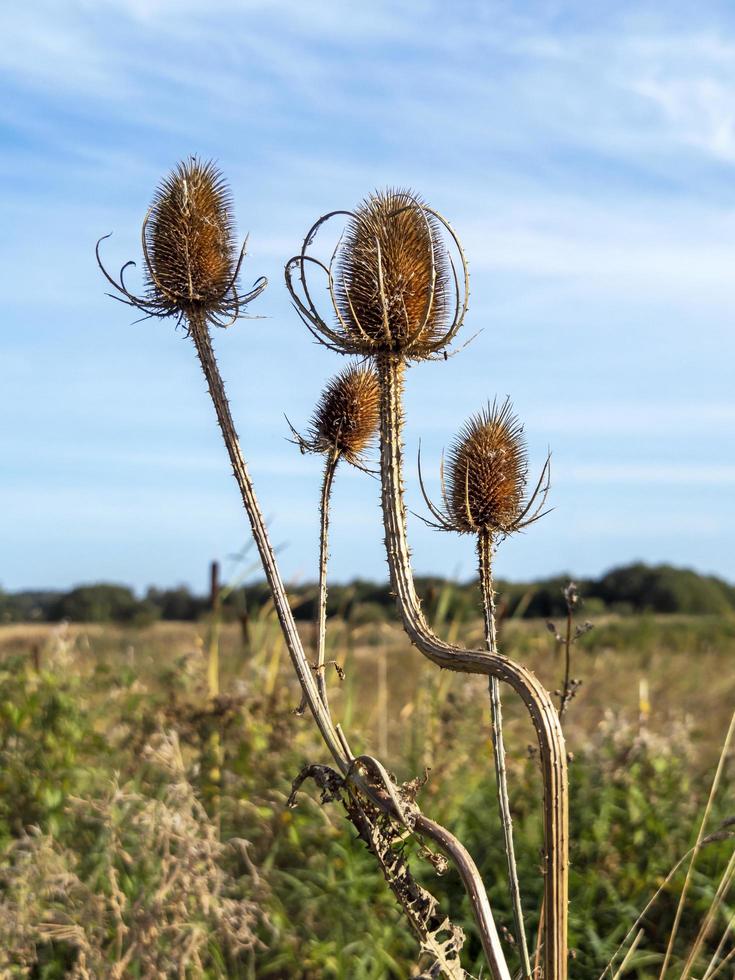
486	483
392	281
345	419
191	262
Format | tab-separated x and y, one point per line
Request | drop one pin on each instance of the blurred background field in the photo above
144	825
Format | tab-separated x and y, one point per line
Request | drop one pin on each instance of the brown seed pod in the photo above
189	238
487	474
345	419
346	416
392	275
391	280
191	261
487	471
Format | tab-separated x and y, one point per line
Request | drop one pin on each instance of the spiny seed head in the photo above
346	416
189	237
487	473
188	245
391	277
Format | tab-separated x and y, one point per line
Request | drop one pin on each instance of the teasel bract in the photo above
190	257
344	423
385	265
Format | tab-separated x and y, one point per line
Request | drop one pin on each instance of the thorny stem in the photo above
447	842
475	889
203	343
540	706
330	468
485	558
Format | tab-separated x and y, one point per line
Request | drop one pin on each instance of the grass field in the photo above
136	784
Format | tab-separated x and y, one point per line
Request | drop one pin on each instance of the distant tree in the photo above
104	603
663	589
177	604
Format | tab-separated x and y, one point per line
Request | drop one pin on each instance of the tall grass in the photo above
301	883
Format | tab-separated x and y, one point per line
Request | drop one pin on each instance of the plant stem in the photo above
540	706
447	842
215	746
330	468
203	343
564	698
485	558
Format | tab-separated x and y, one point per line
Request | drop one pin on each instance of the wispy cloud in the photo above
586	161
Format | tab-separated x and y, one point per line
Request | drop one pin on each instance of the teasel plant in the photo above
191	268
485	495
398	288
343	426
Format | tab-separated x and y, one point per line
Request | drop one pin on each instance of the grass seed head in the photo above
392	276
190	239
346	417
487	473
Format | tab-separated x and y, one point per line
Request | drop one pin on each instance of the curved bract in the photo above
392	279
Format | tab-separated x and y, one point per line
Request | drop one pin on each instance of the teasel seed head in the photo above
392	275
487	475
345	419
392	281
189	236
191	260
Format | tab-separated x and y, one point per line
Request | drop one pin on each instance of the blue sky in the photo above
585	152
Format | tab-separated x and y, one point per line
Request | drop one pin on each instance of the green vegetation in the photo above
634	588
109	856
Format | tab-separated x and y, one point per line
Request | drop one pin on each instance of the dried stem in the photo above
629	955
485	558
697	846
475	889
214	742
203	342
452	847
330	468
709	919
710	971
565	696
535	697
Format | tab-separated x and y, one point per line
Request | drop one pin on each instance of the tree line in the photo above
636	588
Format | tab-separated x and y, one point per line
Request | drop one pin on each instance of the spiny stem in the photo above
203	343
485	557
330	468
540	706
447	842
